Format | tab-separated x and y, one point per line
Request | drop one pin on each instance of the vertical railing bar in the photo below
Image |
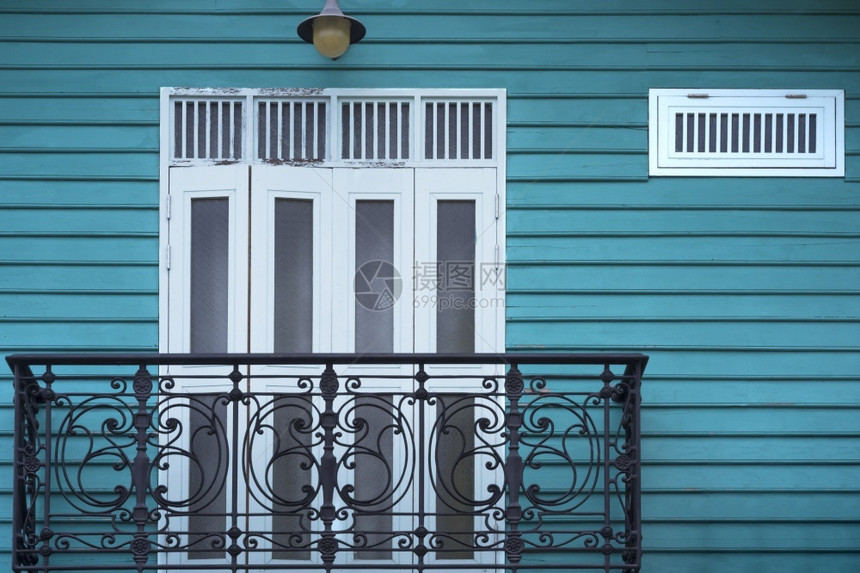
328	466
141	467
607	522
19	498
633	494
48	396
637	441
233	533
18	446
514	387
421	403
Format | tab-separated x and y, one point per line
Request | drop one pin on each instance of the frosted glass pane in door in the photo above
455	253
455	475
292	459
374	455
375	288
210	244
294	251
206	476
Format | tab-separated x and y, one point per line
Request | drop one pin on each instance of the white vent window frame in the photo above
746	133
413	100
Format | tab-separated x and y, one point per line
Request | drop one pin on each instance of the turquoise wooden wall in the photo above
745	292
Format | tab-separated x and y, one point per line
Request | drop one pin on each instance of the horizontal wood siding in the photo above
745	292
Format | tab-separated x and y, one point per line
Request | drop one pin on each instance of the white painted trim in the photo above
828	161
163	226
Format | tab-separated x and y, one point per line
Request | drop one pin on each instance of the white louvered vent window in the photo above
375	130
208	129
751	133
458	129
720	133
291	129
369	127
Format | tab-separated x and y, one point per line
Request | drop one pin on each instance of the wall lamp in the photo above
331	31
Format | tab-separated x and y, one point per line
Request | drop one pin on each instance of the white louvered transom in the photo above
458	129
751	133
373	129
292	129
323	126
207	129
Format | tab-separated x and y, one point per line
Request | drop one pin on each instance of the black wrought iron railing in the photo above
152	462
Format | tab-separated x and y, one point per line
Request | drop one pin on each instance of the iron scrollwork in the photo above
318	468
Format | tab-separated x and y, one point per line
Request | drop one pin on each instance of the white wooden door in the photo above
460	312
323	260
209	279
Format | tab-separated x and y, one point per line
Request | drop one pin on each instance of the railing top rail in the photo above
629	359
